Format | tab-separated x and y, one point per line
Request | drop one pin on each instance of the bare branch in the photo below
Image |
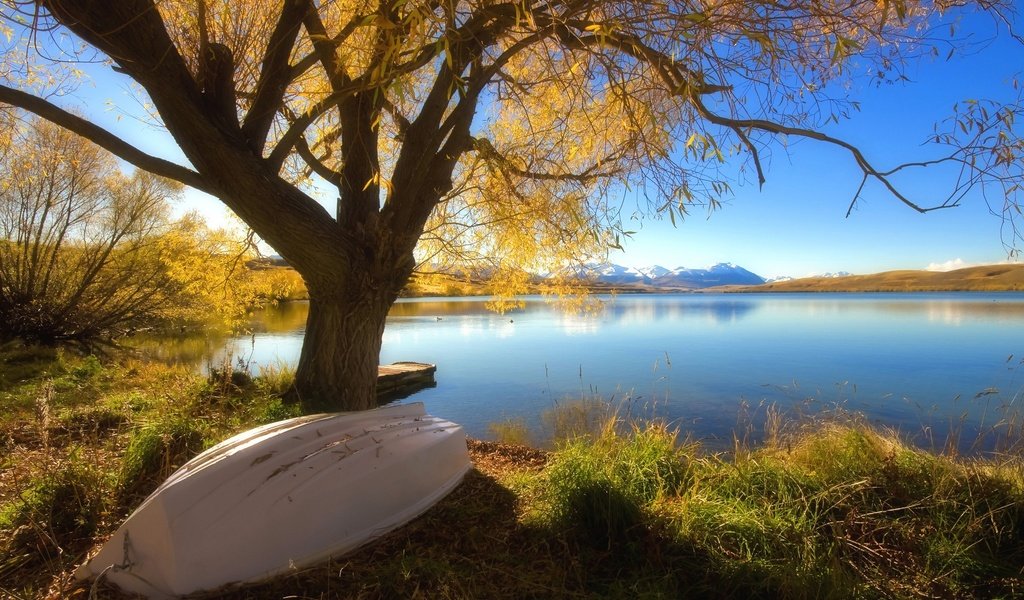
331	176
771	127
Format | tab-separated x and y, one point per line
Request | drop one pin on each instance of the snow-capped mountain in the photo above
834	275
653	272
617	274
680	277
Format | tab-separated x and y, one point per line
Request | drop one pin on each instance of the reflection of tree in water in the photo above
286	317
451	308
620	309
291	316
189	349
646	310
194	348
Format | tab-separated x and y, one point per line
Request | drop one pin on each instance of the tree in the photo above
483	127
78	240
218	278
87	252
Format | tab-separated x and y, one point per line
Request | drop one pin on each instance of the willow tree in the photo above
488	127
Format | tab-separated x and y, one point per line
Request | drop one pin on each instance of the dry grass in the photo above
993	278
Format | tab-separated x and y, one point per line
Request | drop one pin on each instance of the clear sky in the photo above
796	224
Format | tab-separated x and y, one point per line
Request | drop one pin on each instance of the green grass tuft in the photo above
276	380
599	488
154	451
571	418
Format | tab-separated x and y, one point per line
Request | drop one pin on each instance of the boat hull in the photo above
283	496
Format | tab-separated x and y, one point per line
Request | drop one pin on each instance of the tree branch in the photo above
489	153
341	86
692	86
275	75
330	175
298	127
307	62
324	48
778	128
103	138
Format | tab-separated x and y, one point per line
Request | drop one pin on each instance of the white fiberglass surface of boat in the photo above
282	496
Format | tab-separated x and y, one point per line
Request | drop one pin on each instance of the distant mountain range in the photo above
612	277
609	275
659	277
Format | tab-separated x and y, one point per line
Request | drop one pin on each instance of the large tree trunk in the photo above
337	368
348	306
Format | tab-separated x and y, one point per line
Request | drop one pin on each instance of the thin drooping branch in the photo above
692	87
489	153
754	154
103	138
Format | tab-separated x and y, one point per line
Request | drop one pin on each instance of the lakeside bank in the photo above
830	507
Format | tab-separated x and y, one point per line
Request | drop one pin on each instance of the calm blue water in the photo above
708	361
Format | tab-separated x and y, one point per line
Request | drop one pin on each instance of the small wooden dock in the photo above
401	379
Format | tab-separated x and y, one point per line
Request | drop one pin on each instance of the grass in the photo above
991	278
820	509
83	440
513	430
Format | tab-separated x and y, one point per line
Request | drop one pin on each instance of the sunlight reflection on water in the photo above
911	361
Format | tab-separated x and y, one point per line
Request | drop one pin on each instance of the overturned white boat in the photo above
281	496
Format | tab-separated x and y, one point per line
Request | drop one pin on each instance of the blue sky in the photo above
796	224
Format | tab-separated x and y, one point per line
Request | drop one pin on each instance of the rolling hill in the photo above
991	278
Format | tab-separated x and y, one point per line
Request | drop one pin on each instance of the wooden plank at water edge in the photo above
402	379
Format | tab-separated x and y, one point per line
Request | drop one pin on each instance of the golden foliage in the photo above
211	268
87	251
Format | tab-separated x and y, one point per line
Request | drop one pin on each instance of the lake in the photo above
927	364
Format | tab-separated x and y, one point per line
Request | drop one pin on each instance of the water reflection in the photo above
286	317
441	307
722	309
191	349
906	360
607	309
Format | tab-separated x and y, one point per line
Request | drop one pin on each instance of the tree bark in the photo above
340	353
